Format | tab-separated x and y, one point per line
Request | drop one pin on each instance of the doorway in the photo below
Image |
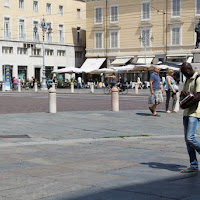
37	74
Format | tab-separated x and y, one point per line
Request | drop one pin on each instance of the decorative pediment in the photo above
175	21
145	25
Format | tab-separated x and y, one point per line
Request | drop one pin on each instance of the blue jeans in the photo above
193	145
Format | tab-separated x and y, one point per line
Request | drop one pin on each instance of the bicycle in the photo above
122	89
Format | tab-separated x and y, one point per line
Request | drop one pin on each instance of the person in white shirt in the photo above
79	82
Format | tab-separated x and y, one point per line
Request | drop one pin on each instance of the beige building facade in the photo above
21	36
141	31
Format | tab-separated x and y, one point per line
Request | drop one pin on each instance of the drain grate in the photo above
14	136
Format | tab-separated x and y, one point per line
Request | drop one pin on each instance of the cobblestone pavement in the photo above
94	155
38	102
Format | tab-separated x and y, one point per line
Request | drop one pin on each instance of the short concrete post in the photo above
177	106
19	87
35	86
92	87
52	101
115	99
72	87
136	88
3	87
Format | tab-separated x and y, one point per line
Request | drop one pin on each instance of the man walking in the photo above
191	115
79	82
156	91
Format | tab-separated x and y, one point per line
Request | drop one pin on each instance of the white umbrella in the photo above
68	70
169	67
124	68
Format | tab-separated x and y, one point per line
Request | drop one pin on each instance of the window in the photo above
21	51
35	6
197	7
7	50
6	3
176	8
114	14
78	13
145	34
49	32
49	52
98	15
7	33
79	35
48	8
146	10
78	54
36	31
60	33
21	4
36	52
21	29
61	10
61	53
98	40
176	35
114	39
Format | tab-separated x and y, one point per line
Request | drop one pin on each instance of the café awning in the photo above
120	61
142	60
92	64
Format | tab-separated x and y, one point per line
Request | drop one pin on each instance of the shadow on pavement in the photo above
170	167
179	187
144	114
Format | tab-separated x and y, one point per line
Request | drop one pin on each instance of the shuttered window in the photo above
114	14
146	9
99	40
99	15
146	37
197	7
176	8
114	39
176	36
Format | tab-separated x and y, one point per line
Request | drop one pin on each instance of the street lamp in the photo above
143	38
44	28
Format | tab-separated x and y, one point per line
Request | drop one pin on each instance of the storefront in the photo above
22	72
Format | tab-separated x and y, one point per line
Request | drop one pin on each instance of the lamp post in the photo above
143	38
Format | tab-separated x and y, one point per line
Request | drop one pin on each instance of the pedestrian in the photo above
191	115
15	83
79	82
170	91
113	80
23	82
121	80
156	89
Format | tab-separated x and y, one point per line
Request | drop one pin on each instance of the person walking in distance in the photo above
170	91
156	96
191	115
79	82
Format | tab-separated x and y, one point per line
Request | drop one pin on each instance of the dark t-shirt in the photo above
156	81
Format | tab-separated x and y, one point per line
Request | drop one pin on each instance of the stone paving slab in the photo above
81	156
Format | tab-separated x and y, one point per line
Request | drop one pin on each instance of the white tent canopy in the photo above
68	70
92	64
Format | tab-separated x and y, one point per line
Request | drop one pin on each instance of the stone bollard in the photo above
115	99
35	86
19	87
72	87
92	87
177	106
3	87
52	101
136	88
